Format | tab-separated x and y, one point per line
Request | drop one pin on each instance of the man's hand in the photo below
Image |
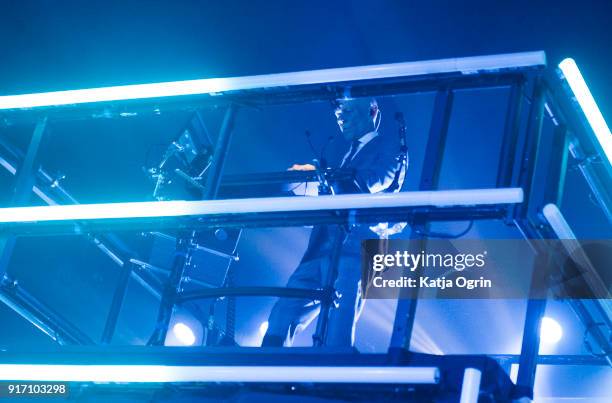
305	167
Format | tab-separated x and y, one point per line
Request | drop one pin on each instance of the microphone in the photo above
320	157
320	165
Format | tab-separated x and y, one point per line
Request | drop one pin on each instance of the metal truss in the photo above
529	84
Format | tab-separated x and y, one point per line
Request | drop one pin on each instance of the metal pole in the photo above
537	303
557	168
221	149
536	307
171	291
115	308
23	188
406	307
511	132
320	336
213	182
10	293
183	242
528	360
49	322
56	194
530	153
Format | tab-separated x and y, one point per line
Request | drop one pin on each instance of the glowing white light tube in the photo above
589	106
438	198
162	373
326	76
557	222
572	246
470	389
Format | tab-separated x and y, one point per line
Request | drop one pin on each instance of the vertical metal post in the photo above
23	188
510	139
537	303
170	292
320	334
557	166
434	152
183	240
529	153
213	182
530	346
218	161
118	297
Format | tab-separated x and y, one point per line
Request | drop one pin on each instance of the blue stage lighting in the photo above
184	334
551	331
589	106
263	328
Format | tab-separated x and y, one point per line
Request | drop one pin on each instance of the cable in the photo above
432	234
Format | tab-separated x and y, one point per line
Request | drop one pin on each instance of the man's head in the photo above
357	117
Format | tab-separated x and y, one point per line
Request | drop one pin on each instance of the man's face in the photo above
356	117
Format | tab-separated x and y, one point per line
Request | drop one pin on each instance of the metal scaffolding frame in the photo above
524	74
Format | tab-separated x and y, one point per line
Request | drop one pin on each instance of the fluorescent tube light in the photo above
437	198
574	250
162	373
470	389
557	222
588	105
326	76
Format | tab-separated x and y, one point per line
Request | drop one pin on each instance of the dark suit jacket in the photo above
375	165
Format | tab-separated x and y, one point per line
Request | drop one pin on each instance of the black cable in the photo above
432	234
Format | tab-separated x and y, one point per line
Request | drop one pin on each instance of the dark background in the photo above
54	45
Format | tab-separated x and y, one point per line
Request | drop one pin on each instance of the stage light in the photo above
550	331
214	86
163	373
184	334
588	105
436	198
470	388
263	328
558	223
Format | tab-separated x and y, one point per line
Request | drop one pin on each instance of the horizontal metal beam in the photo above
311	294
217	86
553	359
